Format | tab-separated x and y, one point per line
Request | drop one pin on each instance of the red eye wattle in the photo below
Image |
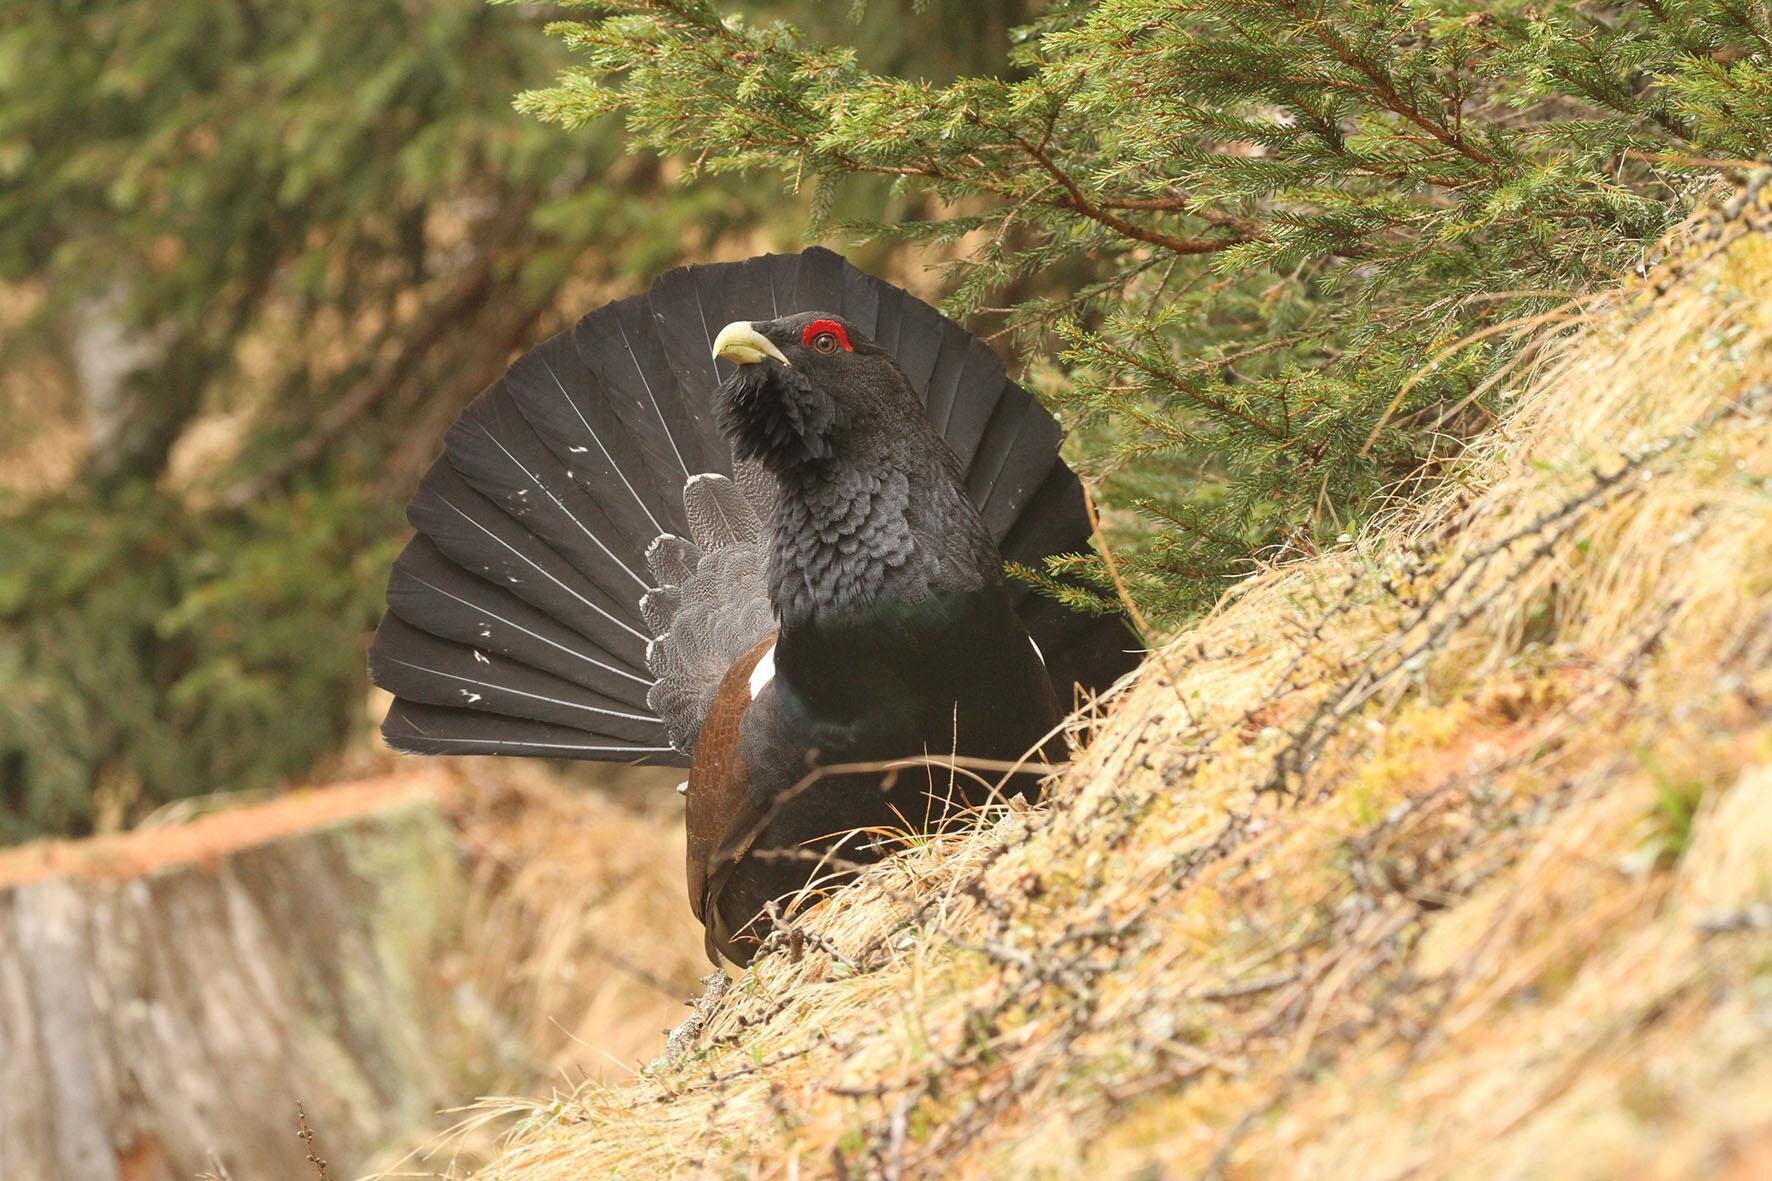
827	336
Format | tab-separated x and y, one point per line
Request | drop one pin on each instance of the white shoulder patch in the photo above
763	672
1037	652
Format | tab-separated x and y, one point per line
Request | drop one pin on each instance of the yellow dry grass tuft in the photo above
1445	854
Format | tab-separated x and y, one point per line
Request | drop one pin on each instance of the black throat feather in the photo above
775	416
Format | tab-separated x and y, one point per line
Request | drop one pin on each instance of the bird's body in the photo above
826	596
962	678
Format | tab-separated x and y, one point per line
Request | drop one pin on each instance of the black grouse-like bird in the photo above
754	522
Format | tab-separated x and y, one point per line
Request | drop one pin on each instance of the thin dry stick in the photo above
1113	569
1689	161
306	1134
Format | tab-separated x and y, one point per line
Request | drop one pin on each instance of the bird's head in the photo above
807	388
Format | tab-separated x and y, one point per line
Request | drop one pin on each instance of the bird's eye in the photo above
825	336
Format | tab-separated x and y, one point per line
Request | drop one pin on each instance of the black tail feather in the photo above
417	666
494	449
435	595
622	349
1013	465
979	372
472	532
565	404
688	343
920	332
818	282
1049	516
515	625
945	378
420	729
862	298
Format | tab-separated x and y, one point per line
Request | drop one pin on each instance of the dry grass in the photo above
576	919
1445	854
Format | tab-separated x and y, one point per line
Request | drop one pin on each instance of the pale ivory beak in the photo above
740	343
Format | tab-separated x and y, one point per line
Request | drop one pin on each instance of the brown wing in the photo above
717	789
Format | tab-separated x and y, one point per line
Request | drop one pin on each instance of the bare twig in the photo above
306	1135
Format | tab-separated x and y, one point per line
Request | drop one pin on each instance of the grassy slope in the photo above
1448	853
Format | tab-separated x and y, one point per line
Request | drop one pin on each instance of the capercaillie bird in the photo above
753	522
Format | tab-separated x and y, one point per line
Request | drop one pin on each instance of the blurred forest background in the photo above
255	257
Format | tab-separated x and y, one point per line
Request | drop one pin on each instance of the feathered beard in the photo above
774	415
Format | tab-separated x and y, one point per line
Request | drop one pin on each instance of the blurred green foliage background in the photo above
254	257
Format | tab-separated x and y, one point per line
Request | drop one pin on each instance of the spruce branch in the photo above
1306	202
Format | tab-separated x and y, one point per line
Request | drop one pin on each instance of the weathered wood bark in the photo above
160	1018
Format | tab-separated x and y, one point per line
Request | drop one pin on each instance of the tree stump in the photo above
166	997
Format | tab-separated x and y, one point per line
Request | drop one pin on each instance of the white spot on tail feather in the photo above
1037	652
763	672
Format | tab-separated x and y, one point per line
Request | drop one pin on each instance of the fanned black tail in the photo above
514	623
